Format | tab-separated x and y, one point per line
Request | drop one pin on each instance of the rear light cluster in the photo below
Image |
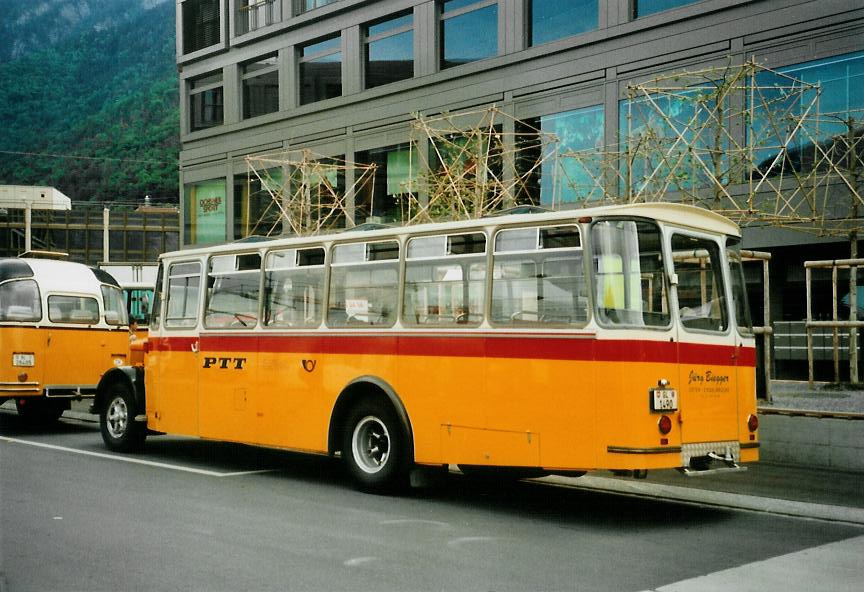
752	423
664	424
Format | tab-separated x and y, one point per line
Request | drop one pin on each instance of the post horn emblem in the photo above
309	365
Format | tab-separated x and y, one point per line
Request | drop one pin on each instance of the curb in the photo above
711	498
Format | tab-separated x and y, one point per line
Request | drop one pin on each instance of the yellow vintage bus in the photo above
61	325
614	337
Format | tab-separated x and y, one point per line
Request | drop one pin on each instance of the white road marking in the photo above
360	561
136	461
412	522
835	567
468	540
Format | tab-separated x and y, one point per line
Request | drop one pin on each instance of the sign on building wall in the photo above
209	212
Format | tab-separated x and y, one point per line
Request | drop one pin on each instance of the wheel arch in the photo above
356	390
129	376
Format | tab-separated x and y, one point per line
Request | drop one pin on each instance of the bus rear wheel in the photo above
120	431
375	447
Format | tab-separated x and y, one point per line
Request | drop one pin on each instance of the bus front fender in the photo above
130	376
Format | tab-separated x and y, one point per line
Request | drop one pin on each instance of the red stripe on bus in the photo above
504	346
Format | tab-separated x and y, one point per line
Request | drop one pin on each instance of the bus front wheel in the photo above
120	431
374	447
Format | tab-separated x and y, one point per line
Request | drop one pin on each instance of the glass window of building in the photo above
390	51
469	31
301	6
254	14
549	180
646	7
200	24
321	70
205	102
205	213
552	19
396	173
260	87
681	128
315	192
256	212
841	111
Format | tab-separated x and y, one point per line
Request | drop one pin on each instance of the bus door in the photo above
708	404
171	365
230	402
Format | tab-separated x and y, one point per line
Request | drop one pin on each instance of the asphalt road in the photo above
195	515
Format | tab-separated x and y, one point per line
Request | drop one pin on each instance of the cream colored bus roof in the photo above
668	213
63	276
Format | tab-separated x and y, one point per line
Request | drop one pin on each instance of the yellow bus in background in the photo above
615	338
62	324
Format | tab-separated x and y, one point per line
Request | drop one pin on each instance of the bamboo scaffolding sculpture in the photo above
467	164
745	141
306	188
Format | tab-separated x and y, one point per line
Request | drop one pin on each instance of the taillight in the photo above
752	423
664	424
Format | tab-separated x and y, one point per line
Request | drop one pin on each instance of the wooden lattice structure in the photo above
309	190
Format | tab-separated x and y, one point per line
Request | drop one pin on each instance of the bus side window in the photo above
294	288
233	284
445	280
364	284
538	277
19	301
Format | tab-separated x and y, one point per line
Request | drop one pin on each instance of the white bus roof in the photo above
64	276
669	213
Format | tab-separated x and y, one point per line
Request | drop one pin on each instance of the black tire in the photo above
375	447
41	411
120	431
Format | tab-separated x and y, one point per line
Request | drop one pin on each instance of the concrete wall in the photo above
813	441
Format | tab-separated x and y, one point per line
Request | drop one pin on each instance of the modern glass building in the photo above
343	79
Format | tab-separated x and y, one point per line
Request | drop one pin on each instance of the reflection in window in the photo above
445	280
701	296
205	102
468	161
552	19
657	120
254	14
200	24
205	212
562	179
255	210
395	178
307	5
184	280
294	288
73	309
538	277
260	87
469	31
321	71
232	291
841	108
646	7
19	301
364	284
390	51
629	279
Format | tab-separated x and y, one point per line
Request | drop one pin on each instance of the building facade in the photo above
345	78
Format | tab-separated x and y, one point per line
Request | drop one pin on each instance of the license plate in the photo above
664	399
25	360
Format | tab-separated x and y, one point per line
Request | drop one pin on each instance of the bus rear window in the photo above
73	309
630	287
19	301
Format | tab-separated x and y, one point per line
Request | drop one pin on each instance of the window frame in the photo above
185	326
210	292
723	290
444	15
266	300
79	298
334	265
246	76
193	91
38	301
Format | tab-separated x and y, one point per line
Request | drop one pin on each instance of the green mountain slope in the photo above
109	95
